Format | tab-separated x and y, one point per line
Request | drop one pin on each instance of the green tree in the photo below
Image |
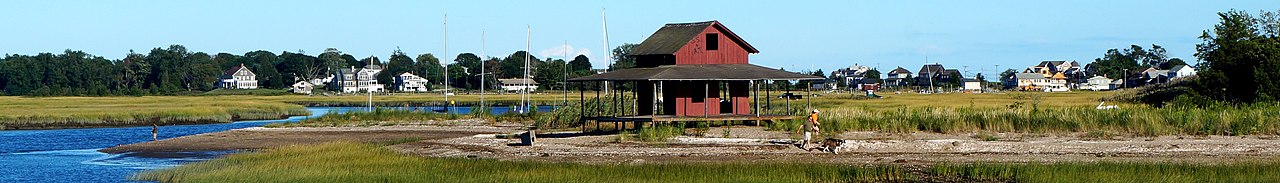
397	64
513	65
469	68
550	75
136	71
872	75
457	76
1114	63
428	66
203	74
580	64
332	59
1239	60
956	79
263	65
294	67
1172	62
623	56
1007	74
170	67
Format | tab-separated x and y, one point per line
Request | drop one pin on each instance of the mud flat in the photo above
744	144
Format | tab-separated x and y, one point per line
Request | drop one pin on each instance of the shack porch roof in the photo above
697	72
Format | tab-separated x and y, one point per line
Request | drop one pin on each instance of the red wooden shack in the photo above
697	71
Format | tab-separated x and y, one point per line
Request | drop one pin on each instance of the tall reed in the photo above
1261	119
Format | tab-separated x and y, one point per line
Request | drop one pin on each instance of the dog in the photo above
831	145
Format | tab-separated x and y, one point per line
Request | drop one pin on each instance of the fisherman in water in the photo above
155	131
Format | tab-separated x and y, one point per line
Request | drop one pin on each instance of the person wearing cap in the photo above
810	128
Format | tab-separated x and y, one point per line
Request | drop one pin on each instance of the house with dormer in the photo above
350	80
238	77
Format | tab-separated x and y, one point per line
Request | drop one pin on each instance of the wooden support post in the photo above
617	101
597	100
767	96
808	98
654	100
582	106
755	99
635	92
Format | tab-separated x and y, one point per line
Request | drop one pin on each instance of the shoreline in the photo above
73	124
747	144
258	138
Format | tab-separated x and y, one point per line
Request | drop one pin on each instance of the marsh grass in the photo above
352	162
1050	113
78	112
570	116
661	132
1252	120
82	112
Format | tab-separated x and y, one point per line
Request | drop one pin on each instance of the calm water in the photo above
71	155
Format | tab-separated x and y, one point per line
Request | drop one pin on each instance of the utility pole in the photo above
998	77
1124	79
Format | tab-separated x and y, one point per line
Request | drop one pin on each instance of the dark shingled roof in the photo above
673	36
233	70
900	70
931	68
698	72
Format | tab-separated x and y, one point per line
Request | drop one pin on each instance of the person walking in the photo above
155	131
810	129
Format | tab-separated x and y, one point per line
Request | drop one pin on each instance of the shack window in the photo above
713	41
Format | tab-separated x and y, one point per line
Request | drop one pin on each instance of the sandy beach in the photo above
744	144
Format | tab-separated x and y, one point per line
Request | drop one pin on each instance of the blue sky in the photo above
796	35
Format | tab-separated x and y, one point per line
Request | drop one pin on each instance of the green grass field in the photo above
351	162
79	112
76	112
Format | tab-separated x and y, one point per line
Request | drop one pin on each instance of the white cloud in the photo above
559	51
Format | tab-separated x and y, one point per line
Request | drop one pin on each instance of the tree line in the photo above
1239	61
177	71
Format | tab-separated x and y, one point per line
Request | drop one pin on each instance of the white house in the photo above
238	77
411	83
1027	81
972	85
317	82
518	84
852	75
1097	83
302	87
1181	71
357	80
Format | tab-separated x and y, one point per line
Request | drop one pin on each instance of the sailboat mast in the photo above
565	82
482	60
446	59
608	57
524	96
